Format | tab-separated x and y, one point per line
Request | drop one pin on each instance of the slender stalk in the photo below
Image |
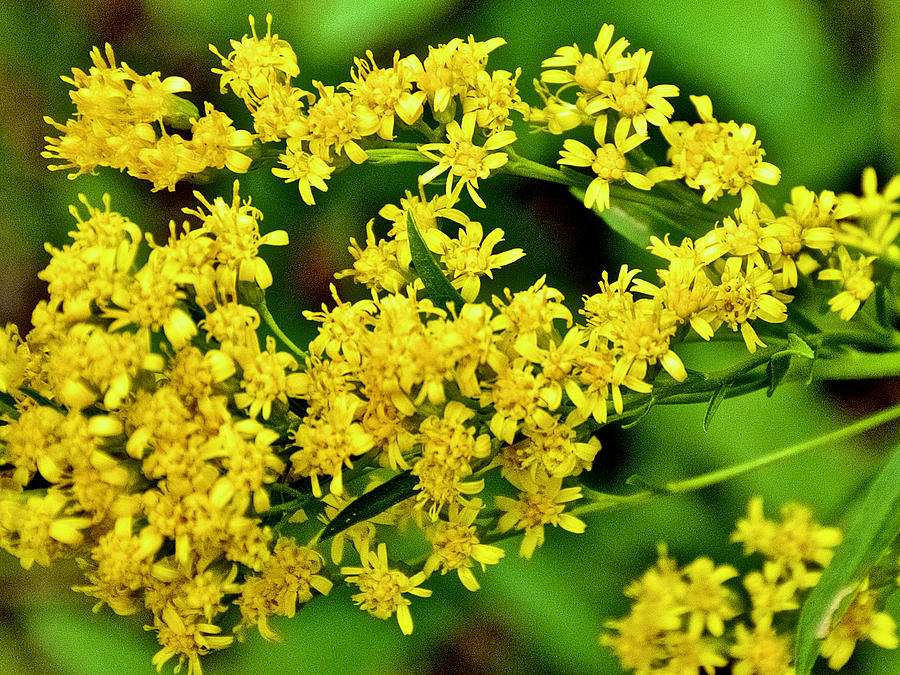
269	320
857	366
395	155
607	502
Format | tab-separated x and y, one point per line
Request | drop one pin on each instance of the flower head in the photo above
463	160
607	162
382	590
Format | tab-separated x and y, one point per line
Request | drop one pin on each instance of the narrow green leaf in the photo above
714	403
437	286
780	363
374	502
641	413
875	526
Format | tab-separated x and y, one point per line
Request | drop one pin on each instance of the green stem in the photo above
857	366
746	376
528	168
294	505
267	317
287	489
870	339
396	155
607	502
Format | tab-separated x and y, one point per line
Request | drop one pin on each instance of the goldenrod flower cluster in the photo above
121	120
191	465
690	620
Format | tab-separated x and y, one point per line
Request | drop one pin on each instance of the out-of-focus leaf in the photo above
876	525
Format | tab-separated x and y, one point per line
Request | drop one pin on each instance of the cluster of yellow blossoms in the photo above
687	620
189	468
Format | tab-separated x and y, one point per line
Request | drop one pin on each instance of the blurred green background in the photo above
819	80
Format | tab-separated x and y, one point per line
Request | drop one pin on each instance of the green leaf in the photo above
875	526
373	503
797	346
437	286
714	403
641	413
780	363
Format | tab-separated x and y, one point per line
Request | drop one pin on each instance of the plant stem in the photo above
607	502
267	317
395	155
857	366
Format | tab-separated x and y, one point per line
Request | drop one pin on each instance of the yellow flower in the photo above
121	564
553	449
287	579
608	162
856	283
541	501
557	361
456	546
709	603
492	97
39	529
532	310
448	447
450	69
263	378
861	621
332	124
590	70
308	169
425	214
761	651
770	593
382	589
744	235
218	144
234	229
376	265
470	256
381	93
810	222
630	95
872	204
326	442
256	64
514	395
713	156
743	295
186	636
792	544
463	160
